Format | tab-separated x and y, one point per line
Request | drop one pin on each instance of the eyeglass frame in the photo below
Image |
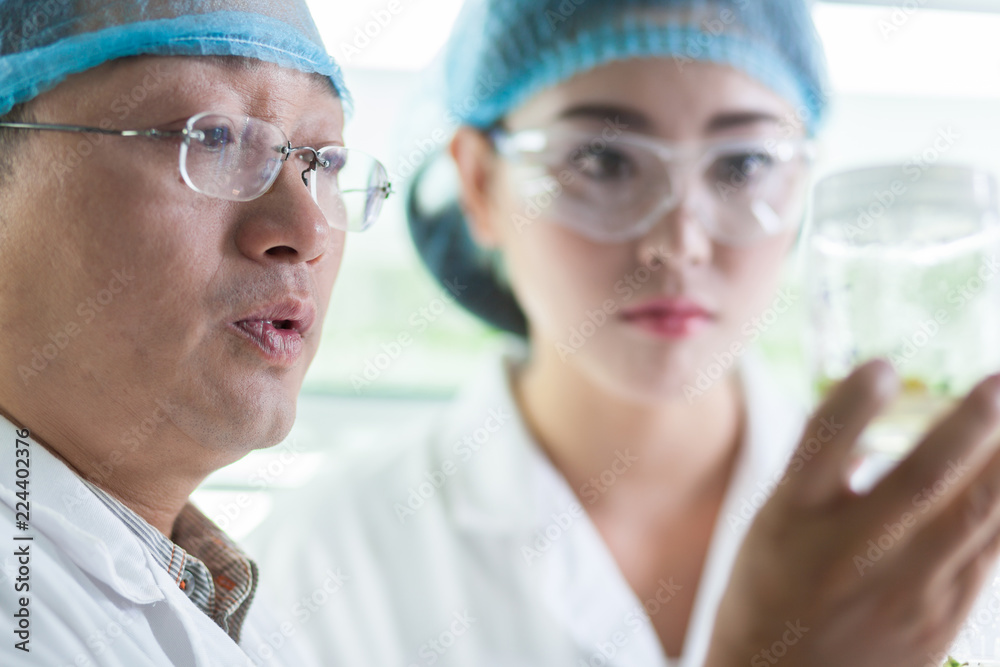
188	135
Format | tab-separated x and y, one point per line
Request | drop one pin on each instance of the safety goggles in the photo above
614	188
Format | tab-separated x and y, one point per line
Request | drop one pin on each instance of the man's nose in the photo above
285	224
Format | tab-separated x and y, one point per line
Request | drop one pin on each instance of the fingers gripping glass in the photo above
238	158
615	188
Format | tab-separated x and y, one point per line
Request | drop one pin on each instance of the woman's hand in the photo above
885	579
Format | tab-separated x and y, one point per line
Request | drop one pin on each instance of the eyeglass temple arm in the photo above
154	133
94	130
386	190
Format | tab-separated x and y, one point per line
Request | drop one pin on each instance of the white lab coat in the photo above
496	565
96	595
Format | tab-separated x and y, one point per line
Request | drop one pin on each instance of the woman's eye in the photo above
602	165
737	169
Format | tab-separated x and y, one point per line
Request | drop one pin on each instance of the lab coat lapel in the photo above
575	569
772	428
68	513
513	495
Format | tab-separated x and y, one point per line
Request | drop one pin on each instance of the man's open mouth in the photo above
278	330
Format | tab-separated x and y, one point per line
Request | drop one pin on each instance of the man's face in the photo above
128	299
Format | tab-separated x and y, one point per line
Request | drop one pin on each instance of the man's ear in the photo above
475	160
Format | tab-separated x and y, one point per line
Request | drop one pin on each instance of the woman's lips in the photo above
669	318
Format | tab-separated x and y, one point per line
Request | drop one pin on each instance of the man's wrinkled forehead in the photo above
318	82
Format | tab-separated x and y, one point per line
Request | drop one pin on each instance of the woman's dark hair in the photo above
453	258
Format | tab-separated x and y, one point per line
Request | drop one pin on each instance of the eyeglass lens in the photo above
239	158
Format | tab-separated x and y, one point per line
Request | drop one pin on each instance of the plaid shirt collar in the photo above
214	573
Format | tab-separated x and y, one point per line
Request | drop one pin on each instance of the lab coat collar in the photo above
498	491
66	512
492	444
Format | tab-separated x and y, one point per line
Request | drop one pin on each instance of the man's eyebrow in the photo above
630	118
728	121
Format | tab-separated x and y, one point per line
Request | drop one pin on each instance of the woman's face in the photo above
643	316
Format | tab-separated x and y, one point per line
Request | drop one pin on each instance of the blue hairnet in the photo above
44	41
502	52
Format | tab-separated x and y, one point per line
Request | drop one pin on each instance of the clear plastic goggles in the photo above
616	188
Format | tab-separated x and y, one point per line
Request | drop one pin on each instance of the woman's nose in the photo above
679	235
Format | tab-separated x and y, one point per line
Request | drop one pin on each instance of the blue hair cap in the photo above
44	41
502	52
